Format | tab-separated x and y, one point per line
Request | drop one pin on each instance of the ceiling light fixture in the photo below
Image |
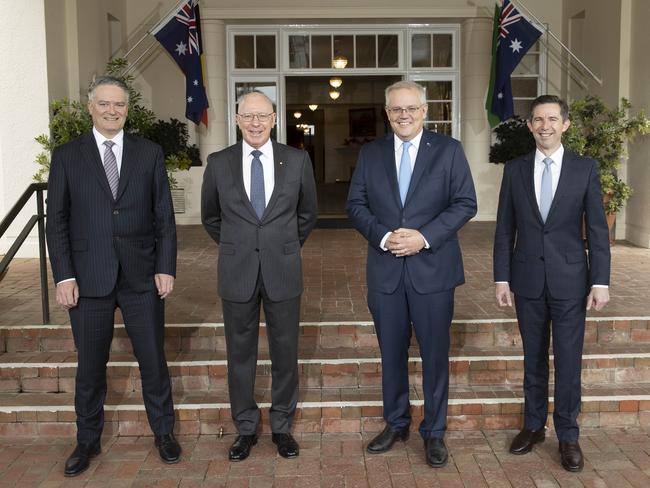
336	82
297	114
339	62
334	94
313	107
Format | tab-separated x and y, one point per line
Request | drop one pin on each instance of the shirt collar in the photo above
266	149
556	156
415	141
100	138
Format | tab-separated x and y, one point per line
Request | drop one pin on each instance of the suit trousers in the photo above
241	324
430	314
92	323
566	318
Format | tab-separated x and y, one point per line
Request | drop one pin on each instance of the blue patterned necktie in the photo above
404	171
546	192
110	166
258	199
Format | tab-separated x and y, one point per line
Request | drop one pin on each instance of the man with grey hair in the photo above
258	203
112	243
410	194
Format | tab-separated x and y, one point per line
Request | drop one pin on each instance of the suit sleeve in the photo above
165	222
210	207
358	205
462	203
58	220
597	231
505	233
307	203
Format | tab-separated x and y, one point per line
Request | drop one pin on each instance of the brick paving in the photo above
334	291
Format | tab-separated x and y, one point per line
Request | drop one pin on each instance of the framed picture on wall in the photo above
362	122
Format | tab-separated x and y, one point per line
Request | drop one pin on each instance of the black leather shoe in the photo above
436	452
168	448
526	439
79	460
287	445
384	441
241	448
571	456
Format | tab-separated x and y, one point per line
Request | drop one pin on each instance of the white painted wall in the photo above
23	98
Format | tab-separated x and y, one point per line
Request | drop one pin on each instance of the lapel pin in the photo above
281	163
429	144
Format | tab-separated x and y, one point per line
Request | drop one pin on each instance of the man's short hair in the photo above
107	80
542	99
257	92
407	85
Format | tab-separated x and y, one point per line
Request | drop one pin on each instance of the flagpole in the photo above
131	66
148	33
549	31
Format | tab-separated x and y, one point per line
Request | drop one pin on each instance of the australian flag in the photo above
512	37
180	34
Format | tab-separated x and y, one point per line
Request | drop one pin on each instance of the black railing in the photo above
39	218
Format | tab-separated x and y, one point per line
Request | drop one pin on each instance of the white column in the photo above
24	102
215	137
475	131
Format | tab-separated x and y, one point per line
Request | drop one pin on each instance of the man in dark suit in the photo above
112	243
410	193
539	254
258	202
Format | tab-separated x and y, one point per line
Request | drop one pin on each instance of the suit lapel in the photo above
424	157
235	158
89	150
566	174
279	176
129	160
388	152
528	178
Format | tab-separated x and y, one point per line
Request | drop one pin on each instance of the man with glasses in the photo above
410	193
258	202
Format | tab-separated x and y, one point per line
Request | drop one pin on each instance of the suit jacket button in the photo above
257	249
116	212
541	258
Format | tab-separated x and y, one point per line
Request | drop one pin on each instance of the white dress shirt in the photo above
118	147
413	153
267	164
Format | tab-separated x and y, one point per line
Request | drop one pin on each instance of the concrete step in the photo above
210	336
320	410
54	372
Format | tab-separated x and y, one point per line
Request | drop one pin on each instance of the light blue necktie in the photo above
546	192
404	171
257	184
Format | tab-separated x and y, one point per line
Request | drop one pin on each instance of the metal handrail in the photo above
39	219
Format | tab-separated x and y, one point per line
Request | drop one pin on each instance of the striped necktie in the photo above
110	166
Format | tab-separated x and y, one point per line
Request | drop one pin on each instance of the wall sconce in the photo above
339	62
334	94
336	82
313	107
297	114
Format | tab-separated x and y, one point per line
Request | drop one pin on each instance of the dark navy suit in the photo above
113	248
417	289
551	275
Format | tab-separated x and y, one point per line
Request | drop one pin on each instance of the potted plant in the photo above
69	119
596	131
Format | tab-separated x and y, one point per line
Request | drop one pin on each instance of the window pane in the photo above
299	51
439	127
343	46
265	52
266	87
244	57
524	87
442	50
387	51
321	51
366	55
421	51
522	107
437	90
528	65
439	111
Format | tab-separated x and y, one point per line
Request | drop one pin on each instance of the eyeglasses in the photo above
260	117
411	110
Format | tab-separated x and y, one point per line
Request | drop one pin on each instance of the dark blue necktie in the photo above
258	199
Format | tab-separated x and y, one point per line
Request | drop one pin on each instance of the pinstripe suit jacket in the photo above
90	235
248	244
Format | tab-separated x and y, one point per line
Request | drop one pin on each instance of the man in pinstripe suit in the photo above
112	243
258	202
